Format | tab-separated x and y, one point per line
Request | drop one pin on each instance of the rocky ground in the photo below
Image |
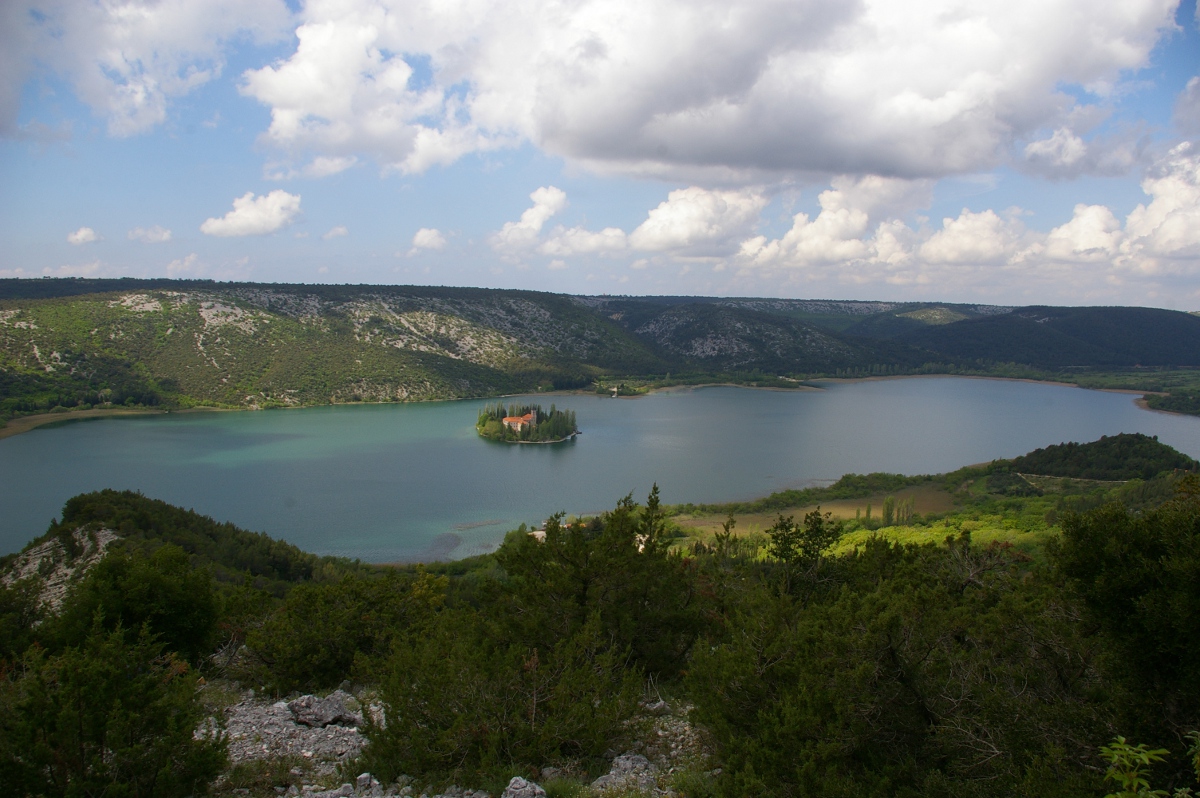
305	748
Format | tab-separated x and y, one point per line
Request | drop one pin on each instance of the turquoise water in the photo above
392	482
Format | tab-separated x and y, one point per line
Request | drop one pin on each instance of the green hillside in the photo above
82	343
1059	338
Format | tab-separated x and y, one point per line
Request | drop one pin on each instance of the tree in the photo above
618	567
19	614
904	681
163	592
800	547
1138	576
460	700
323	630
110	717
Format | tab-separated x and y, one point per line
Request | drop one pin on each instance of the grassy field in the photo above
988	502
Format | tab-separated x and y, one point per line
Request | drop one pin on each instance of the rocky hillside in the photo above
259	346
722	338
81	343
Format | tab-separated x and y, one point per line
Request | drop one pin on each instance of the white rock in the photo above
520	788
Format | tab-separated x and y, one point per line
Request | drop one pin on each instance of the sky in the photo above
1017	152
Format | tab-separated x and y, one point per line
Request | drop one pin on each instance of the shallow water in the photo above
392	482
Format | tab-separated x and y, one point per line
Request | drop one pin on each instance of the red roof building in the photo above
515	423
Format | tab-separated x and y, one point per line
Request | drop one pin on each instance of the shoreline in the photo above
22	424
799	387
985	377
570	437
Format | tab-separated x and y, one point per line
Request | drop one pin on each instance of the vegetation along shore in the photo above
68	345
863	638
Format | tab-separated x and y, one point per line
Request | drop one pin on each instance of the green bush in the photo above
1138	576
926	671
110	717
458	700
314	639
163	592
19	614
617	567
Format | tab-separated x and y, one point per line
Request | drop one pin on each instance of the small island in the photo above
526	424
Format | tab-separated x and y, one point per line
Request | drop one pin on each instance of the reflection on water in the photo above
393	482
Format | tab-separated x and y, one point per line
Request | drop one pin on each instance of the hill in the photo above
257	346
1119	457
741	337
130	521
80	343
1064	338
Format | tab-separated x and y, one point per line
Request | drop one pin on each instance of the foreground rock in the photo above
334	709
257	730
322	735
520	788
629	772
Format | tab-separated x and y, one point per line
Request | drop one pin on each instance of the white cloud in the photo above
1092	235
523	235
16	46
699	87
254	216
579	241
182	266
342	92
325	167
699	220
127	59
96	268
749	91
973	238
1168	229
838	233
690	222
428	238
84	235
336	232
1092	257
1063	150
1066	155
150	235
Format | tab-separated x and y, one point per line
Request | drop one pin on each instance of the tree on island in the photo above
518	423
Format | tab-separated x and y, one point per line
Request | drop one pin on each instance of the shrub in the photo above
110	717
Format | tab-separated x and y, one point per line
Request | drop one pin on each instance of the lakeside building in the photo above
517	423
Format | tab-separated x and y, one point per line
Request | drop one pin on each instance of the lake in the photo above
402	482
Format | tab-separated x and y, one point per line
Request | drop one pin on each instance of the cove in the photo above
408	482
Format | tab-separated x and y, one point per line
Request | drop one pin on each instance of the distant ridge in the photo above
1057	338
98	342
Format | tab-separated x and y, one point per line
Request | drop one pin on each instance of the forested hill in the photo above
84	342
1056	338
1119	457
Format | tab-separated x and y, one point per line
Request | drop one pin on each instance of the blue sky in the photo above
1013	153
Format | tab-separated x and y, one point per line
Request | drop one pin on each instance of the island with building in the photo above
516	423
